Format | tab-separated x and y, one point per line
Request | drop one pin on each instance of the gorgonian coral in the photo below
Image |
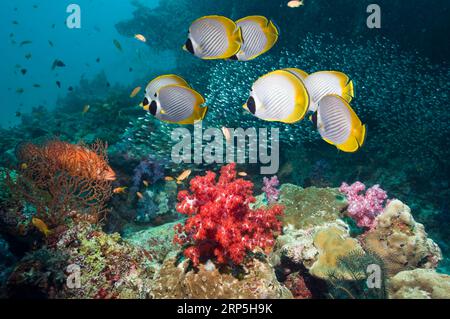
77	160
61	179
220	223
364	208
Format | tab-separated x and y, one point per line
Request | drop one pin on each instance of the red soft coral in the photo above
221	224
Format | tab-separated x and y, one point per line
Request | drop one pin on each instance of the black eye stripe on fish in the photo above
189	46
153	108
251	105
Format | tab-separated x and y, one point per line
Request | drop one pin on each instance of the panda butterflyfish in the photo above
338	124
177	104
213	37
320	84
278	96
259	35
160	81
302	75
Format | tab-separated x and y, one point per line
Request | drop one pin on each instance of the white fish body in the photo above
161	81
213	37
278	96
320	84
259	35
339	125
178	104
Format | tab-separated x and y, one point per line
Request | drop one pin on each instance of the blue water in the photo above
77	48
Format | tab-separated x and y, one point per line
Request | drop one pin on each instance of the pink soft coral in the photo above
221	224
364	208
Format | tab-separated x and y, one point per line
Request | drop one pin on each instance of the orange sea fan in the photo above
58	178
75	159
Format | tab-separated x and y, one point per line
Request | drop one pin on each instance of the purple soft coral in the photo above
364	208
270	189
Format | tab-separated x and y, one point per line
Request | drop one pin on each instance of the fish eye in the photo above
189	46
251	105
145	102
153	108
234	58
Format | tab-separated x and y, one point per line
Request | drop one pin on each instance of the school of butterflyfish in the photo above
285	95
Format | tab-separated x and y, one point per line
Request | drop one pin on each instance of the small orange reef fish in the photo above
139	195
119	190
184	175
24	166
140	37
295	3
86	109
39	224
242	174
145	183
168	178
135	92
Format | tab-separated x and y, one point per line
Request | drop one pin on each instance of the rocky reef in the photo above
318	251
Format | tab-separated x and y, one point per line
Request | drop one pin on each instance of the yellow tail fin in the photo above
203	112
361	138
348	92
